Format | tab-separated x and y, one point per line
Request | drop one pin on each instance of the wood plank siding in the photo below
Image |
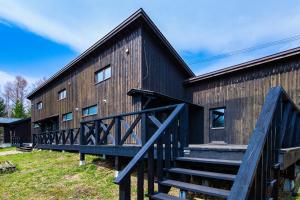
242	93
161	72
83	92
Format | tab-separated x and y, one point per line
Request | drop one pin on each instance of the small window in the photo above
103	74
67	116
89	111
39	105
217	118
62	94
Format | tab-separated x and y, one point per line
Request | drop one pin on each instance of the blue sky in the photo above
37	38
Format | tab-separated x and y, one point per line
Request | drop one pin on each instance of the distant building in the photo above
15	130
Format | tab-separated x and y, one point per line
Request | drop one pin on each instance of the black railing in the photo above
58	137
122	129
258	175
16	141
166	144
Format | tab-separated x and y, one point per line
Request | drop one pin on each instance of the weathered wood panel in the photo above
110	95
160	72
243	93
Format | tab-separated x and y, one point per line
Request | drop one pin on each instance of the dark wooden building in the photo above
16	130
240	91
132	88
133	55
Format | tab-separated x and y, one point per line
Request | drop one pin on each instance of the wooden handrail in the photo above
149	144
259	157
134	113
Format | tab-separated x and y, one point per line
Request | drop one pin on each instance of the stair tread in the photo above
216	192
207	174
164	196
210	161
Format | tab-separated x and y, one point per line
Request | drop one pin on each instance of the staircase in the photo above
187	176
254	174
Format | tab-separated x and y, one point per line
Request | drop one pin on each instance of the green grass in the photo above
56	175
7	149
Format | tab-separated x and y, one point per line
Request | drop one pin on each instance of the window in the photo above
39	105
103	74
89	111
217	118
62	94
67	117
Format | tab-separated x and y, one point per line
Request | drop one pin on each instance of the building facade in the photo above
135	56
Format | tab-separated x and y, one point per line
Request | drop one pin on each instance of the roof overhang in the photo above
244	66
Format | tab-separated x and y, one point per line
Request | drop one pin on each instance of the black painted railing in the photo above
126	128
16	141
58	137
258	175
165	145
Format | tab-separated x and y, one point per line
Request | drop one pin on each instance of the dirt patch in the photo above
74	177
5	153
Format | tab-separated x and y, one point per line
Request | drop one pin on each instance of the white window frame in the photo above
39	105
62	94
104	74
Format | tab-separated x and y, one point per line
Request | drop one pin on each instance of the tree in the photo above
16	90
3	112
19	111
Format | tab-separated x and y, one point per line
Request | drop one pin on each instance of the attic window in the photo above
62	94
103	74
39	105
217	118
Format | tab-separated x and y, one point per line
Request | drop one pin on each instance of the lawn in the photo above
56	175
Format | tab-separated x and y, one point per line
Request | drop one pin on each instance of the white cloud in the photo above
211	26
7	77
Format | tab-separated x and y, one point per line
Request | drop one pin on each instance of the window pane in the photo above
100	76
93	110
39	105
62	94
85	112
218	118
107	72
67	117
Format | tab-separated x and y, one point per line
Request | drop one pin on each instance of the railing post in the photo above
97	134
184	128
82	142
71	132
124	189
117	130
140	180
144	128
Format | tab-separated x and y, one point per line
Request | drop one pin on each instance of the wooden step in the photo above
215	192
163	196
206	174
210	161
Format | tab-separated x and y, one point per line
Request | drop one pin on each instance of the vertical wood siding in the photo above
82	90
160	72
243	94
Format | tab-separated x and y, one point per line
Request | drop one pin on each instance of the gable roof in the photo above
245	65
139	14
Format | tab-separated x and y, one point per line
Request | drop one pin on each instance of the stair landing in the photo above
216	151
